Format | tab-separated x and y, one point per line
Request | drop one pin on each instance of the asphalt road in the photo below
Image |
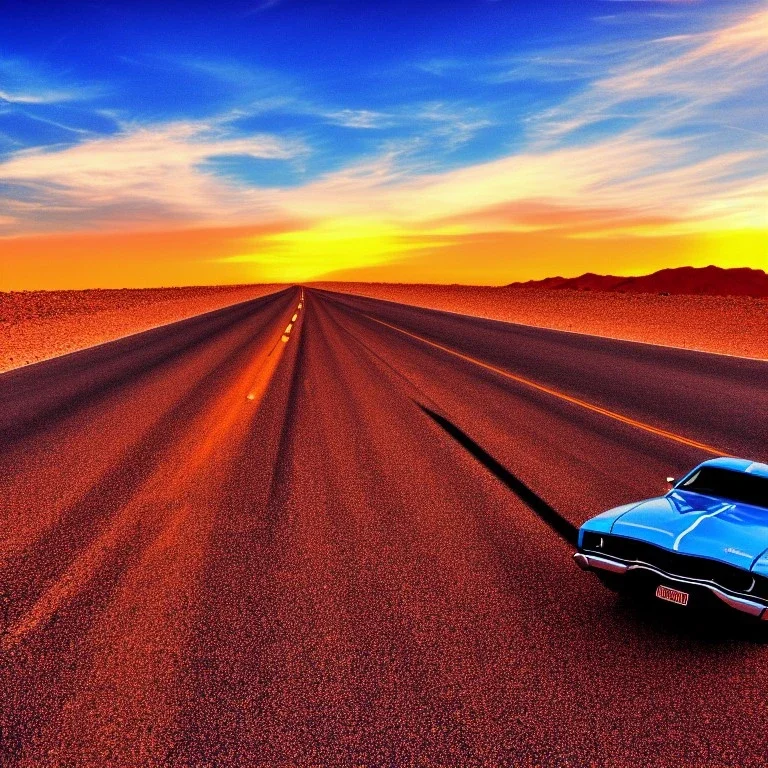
230	543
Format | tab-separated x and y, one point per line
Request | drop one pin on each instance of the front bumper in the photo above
589	562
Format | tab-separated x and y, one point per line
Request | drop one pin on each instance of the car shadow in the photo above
717	628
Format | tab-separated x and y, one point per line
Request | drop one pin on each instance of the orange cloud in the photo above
642	199
538	215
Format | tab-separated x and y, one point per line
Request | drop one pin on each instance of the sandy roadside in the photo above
724	324
37	325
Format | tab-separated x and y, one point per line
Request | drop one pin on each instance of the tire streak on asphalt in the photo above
162	488
353	549
34	396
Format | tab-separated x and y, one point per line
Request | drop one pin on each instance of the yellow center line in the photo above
561	395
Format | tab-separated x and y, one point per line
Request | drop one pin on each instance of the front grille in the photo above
686	566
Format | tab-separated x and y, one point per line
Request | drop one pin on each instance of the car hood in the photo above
693	524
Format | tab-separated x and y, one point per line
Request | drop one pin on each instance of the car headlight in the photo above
593	541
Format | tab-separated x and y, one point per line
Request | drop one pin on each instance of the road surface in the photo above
338	532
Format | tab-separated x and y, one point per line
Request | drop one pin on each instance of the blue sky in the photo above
461	80
283	96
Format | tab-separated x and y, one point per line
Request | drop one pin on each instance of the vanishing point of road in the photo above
316	529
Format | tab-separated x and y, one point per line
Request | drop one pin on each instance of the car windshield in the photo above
734	486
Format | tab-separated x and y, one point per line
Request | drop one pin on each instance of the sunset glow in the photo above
623	137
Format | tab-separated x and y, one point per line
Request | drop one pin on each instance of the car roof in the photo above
738	465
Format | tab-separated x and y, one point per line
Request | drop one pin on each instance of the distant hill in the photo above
698	281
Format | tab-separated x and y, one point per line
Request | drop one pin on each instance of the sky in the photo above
461	141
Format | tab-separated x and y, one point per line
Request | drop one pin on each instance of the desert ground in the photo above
733	325
37	325
316	529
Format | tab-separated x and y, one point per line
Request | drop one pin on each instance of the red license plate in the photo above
672	595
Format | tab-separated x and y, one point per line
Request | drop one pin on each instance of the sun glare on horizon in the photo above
477	142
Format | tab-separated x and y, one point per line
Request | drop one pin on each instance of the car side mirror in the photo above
671	481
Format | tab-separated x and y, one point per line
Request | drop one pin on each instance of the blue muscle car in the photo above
704	543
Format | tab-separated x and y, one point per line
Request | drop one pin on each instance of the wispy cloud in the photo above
39	97
140	170
265	5
662	88
354	118
23	84
453	124
614	189
653	174
262	92
566	63
622	173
